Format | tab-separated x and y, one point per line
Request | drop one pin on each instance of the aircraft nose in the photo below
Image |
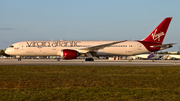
7	51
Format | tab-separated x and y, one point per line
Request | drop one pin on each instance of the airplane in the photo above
150	56
177	57
145	56
89	49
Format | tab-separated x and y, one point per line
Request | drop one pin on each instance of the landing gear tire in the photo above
89	59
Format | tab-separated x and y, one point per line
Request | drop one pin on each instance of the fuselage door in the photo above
21	47
139	46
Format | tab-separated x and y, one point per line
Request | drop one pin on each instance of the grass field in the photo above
98	83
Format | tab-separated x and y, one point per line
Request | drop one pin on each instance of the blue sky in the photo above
22	20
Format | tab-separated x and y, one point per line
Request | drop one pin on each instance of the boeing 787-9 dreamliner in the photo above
73	49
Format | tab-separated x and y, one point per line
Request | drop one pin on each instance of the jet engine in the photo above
69	54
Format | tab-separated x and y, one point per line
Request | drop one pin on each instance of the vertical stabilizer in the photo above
151	55
158	34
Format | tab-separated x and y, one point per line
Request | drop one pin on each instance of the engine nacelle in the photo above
69	54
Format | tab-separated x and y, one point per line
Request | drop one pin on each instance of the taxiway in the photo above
81	62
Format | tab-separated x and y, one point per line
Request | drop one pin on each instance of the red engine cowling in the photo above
69	54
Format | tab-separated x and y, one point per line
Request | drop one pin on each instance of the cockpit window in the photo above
11	46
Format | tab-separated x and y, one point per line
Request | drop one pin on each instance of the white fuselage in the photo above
51	48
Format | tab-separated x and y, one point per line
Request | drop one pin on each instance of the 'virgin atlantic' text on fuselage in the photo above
40	44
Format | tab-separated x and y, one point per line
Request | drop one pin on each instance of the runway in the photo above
81	62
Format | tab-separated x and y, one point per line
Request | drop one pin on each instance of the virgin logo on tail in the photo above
157	36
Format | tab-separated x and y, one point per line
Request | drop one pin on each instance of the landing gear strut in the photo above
18	57
89	59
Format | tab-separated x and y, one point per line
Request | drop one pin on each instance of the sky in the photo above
25	20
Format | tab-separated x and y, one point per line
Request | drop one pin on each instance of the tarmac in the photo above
82	62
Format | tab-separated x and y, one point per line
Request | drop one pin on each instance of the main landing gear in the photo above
89	59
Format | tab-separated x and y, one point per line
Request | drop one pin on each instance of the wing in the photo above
97	47
165	46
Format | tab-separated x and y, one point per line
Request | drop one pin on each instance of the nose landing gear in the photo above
19	59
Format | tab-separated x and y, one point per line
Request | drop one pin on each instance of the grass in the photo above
98	83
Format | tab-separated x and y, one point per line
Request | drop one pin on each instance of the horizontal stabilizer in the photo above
164	46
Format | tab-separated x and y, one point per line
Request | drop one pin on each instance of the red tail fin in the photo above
158	34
